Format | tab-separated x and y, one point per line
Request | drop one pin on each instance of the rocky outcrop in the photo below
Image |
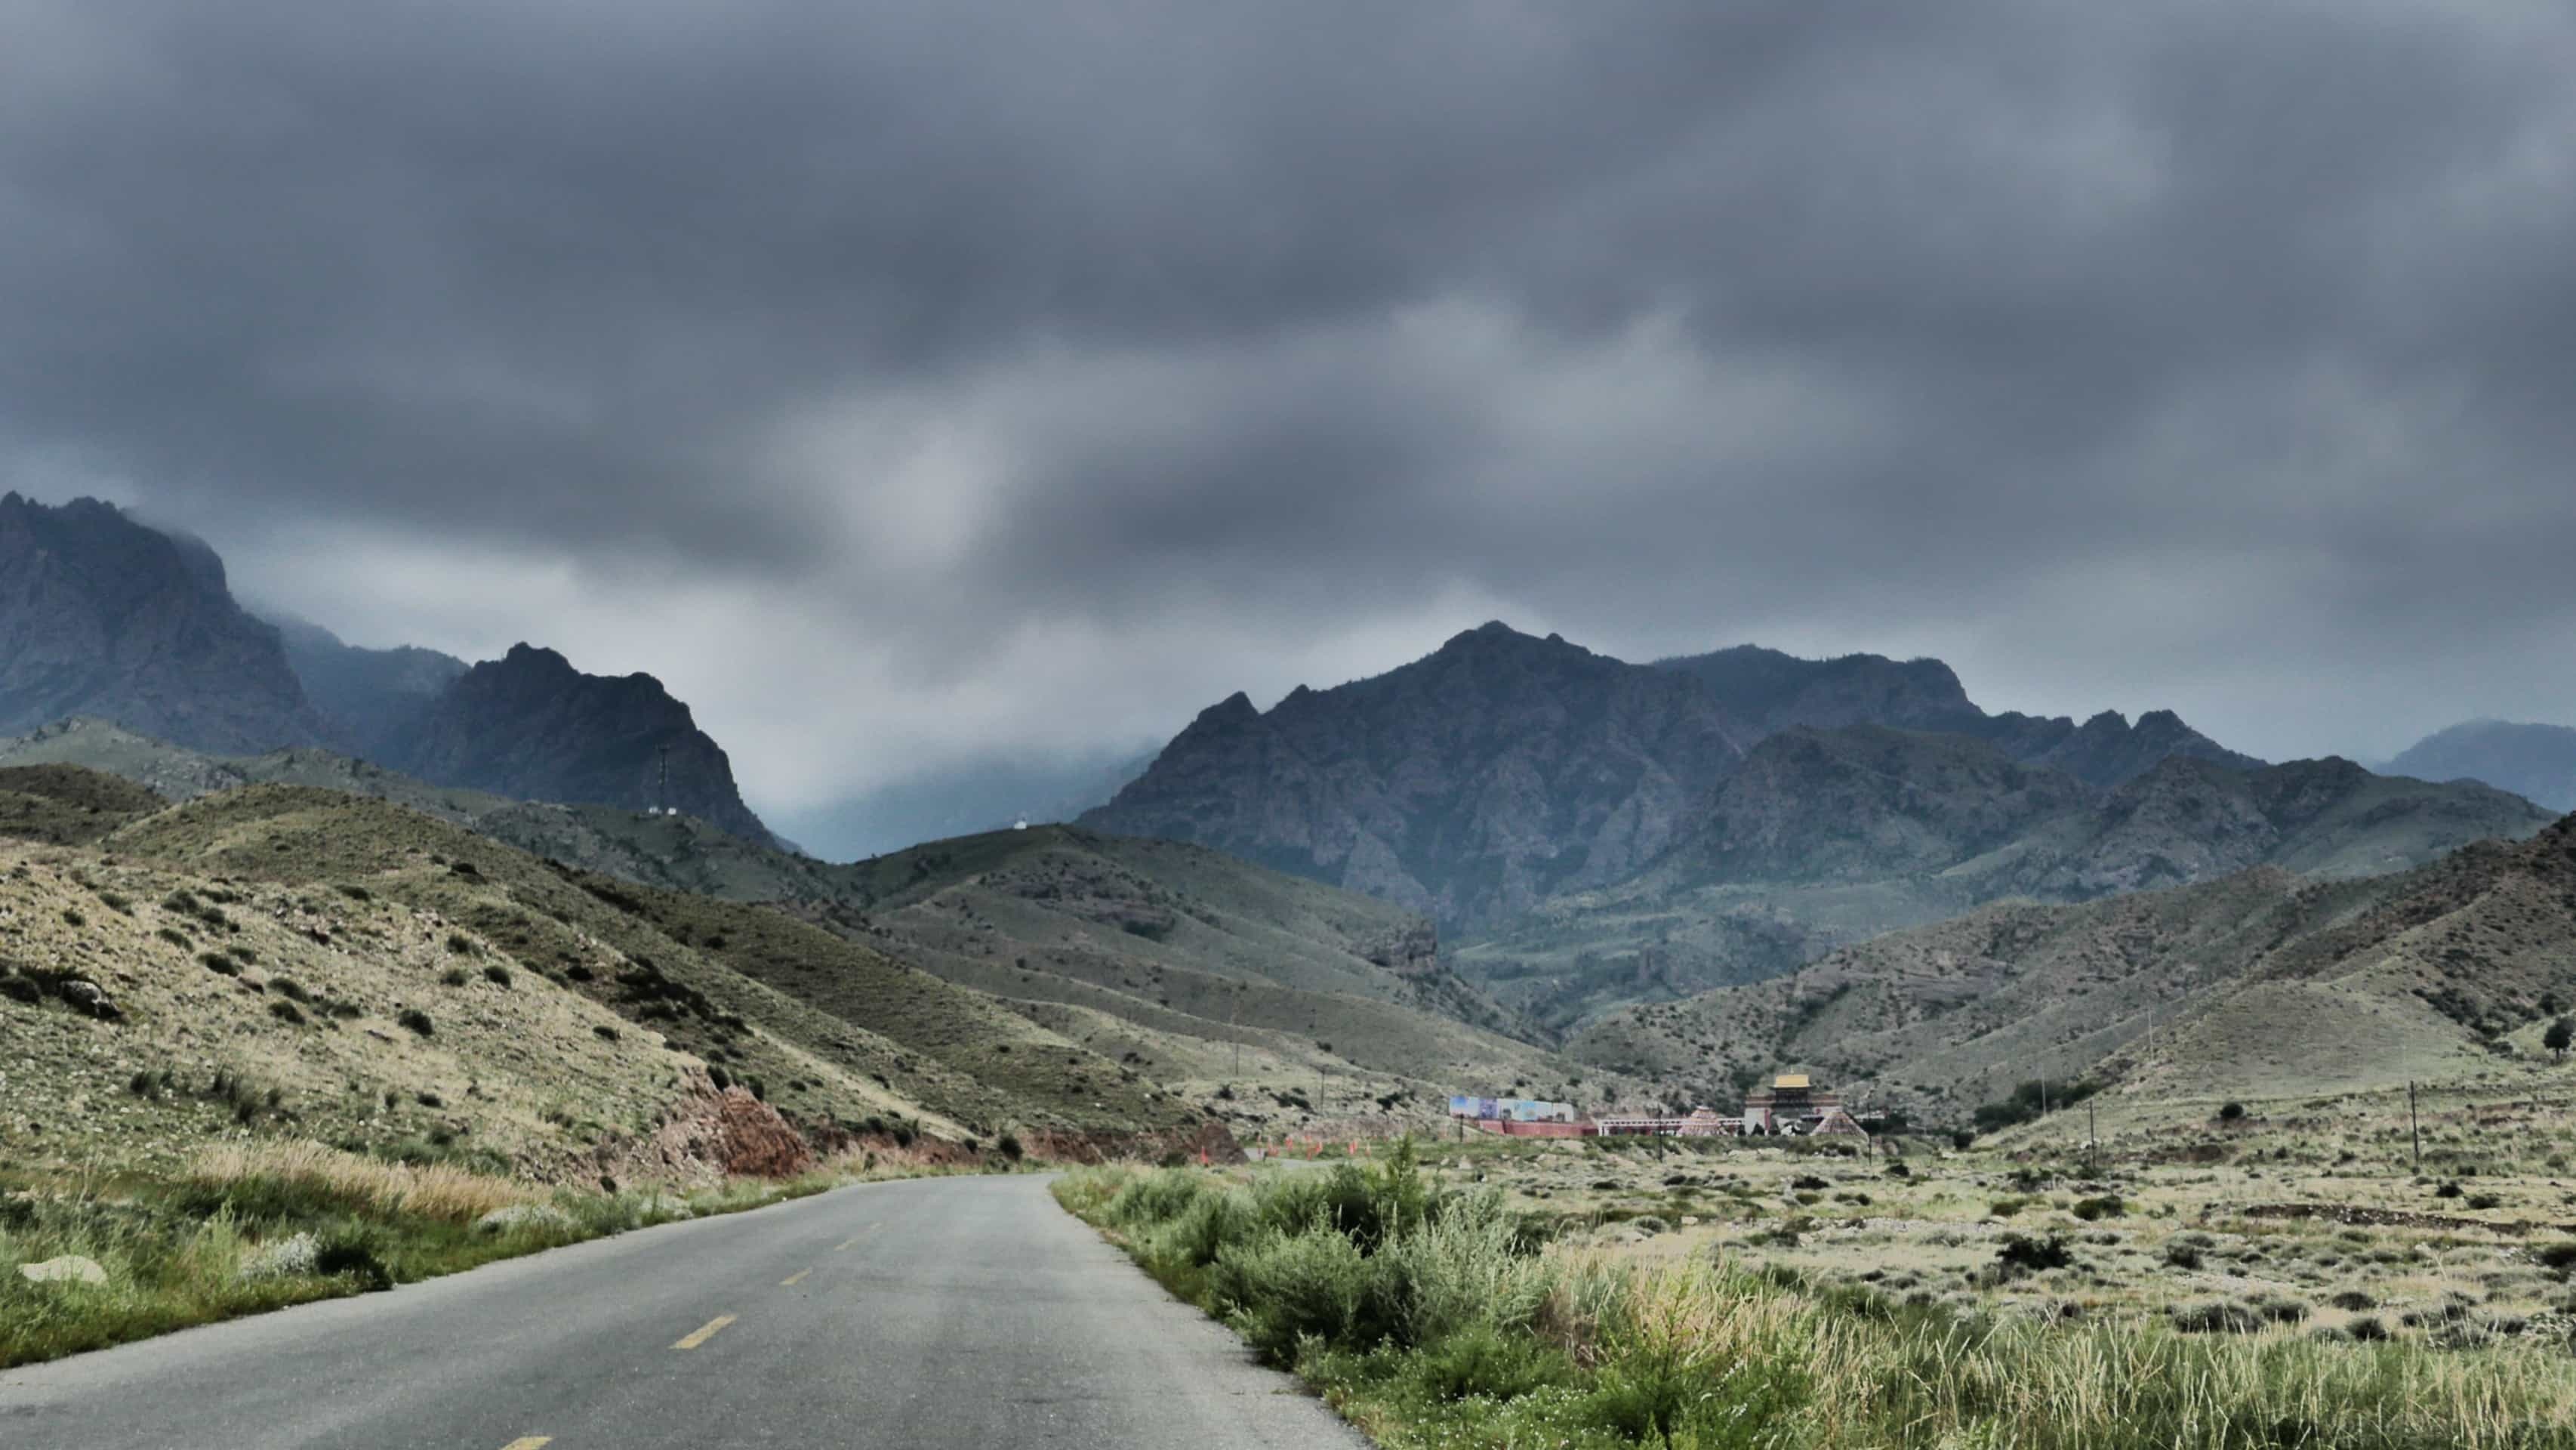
1467	785
102	616
1771	691
529	725
1774	692
2106	751
705	1137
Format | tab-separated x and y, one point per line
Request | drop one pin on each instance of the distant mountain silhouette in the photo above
2534	761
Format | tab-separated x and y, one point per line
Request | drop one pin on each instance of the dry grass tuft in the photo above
433	1191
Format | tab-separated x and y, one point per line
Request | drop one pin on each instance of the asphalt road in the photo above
957	1312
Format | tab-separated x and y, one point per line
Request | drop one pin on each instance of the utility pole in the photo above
2414	1129
2092	1135
662	794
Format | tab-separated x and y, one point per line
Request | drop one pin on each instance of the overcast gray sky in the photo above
908	382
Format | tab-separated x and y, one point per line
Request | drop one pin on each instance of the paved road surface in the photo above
957	1314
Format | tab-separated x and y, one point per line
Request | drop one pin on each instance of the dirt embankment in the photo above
706	1136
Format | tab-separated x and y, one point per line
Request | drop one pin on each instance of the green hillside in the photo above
1210	970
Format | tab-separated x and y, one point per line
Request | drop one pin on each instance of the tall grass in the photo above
346	1181
1436	1321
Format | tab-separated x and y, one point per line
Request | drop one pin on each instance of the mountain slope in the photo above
2537	762
1825	838
834	1031
1206	967
531	726
1467	785
2259	983
100	615
366	696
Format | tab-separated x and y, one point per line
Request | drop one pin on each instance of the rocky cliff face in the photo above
1773	692
2537	762
104	617
2105	751
1467	785
530	725
129	626
1868	802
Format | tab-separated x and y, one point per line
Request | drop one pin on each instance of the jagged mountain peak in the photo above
1468	783
532	725
1236	708
103	615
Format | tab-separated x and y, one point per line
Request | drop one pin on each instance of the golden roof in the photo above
1790	1080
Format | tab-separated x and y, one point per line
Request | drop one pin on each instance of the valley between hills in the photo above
402	915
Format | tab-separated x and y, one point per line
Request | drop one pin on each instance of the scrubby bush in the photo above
416	1021
2024	1255
2217	1317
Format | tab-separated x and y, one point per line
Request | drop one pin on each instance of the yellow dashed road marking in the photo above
794	1279
705	1334
854	1238
530	1442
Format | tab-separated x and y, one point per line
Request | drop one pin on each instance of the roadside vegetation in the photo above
253	1226
1445	1317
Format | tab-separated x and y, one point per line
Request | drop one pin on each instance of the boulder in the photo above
69	1269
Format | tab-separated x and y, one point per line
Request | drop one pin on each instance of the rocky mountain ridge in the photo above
104	617
1776	692
529	725
1467	785
1502	769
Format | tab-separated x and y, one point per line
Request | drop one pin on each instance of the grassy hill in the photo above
2264	983
366	905
1299	1000
1206	968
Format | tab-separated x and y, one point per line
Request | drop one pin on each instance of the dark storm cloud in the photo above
1039	372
